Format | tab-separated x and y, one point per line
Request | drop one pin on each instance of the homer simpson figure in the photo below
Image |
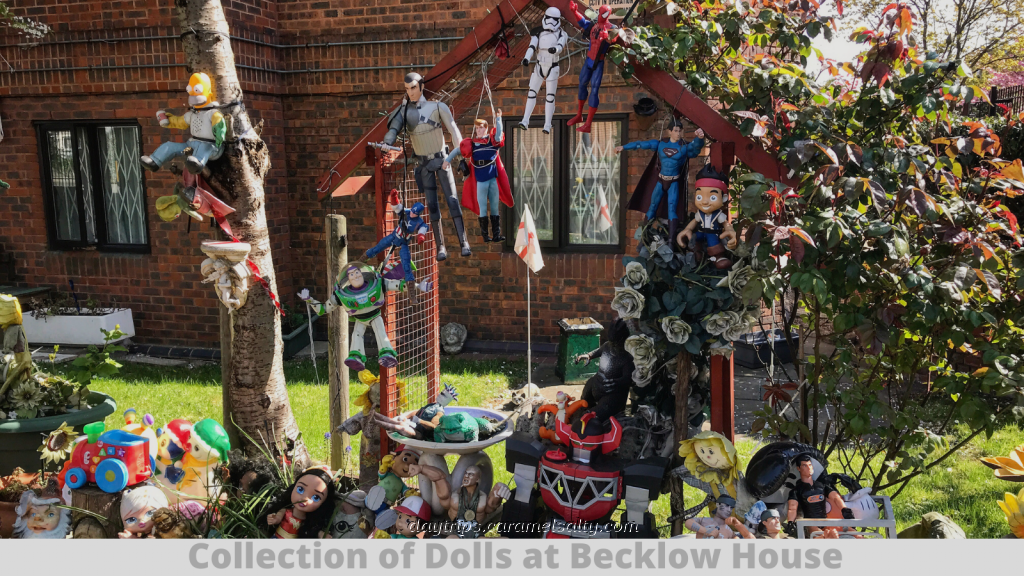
205	123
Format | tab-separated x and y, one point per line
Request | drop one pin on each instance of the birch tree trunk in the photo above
259	403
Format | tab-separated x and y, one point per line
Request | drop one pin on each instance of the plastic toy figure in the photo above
599	35
607	392
563	409
141	427
363	294
424	120
420	424
810	495
487	180
770	527
304	510
209	445
412	513
410	225
709	464
673	158
350	520
711	224
206	125
584	488
722	525
40	518
172	445
138	506
468	507
547	42
390	484
112	460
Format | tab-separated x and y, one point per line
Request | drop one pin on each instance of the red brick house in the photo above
78	107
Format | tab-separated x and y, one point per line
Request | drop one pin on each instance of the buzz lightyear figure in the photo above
206	125
363	294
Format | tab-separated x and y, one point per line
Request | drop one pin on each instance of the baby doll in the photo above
300	512
138	506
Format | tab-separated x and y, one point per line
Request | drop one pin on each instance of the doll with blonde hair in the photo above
138	506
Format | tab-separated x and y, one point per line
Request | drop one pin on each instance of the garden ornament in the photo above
453	336
195	199
226	268
468	507
424	122
809	496
722	525
420	424
209	446
173	442
363	293
601	34
305	508
673	157
1013	507
138	505
563	409
410	225
710	226
710	459
15	356
206	125
934	526
583	486
547	42
176	522
350	518
607	392
486	180
390	484
38	517
1010	468
462	427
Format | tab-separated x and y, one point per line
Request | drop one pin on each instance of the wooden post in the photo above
723	397
681	431
225	375
336	229
94	500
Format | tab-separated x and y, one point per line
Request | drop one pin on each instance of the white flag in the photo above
603	217
527	245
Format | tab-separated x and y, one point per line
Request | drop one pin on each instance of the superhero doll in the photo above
599	36
410	224
486	181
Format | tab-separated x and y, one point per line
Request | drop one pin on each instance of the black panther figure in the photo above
607	392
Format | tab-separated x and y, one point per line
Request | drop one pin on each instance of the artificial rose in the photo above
641	348
737	280
628	303
719	322
677	330
642	376
636	276
720	349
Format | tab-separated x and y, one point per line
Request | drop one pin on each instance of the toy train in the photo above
112	460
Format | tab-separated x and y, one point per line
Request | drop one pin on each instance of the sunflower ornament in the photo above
58	444
1009	468
1013	507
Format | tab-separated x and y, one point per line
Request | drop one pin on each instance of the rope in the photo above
312	351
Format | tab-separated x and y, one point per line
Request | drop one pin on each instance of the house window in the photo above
572	182
93	186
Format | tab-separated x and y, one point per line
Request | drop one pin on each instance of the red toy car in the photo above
112	460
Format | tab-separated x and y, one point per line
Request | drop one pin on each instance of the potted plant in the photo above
295	328
61	319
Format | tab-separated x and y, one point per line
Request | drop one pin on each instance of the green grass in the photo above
961	487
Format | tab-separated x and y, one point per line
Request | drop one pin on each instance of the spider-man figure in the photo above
593	67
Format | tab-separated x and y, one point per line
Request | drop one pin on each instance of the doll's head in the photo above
480	129
711	457
552	21
471	477
312	496
40	517
406	457
138	505
711	191
771	523
355	277
675	130
724	505
200	90
249	475
413	514
603	14
805	466
413	86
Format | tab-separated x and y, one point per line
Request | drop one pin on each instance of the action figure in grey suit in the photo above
425	121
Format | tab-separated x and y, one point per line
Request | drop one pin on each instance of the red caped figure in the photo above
487	181
593	67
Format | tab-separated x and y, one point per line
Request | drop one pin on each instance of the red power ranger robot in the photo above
598	33
582	490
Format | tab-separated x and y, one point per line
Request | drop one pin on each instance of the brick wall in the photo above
310	118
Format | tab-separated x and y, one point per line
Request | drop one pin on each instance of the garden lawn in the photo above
961	487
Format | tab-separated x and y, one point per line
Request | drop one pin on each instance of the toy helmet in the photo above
414	506
448	395
200	90
418	208
552	21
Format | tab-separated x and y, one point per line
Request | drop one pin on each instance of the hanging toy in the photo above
601	35
196	200
547	42
206	125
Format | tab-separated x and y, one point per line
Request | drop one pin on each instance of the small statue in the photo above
770	527
486	180
810	496
563	409
15	356
547	41
363	294
607	392
300	511
453	336
227	270
410	225
138	506
390	484
599	34
206	125
673	158
423	121
420	425
710	226
40	518
468	507
722	525
350	519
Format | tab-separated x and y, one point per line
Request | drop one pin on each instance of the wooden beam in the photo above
723	397
336	228
450	65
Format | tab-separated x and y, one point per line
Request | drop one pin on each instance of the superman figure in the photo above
598	33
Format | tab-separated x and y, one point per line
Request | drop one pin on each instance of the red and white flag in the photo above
603	217
527	244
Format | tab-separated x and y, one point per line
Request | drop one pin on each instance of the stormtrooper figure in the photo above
426	121
547	42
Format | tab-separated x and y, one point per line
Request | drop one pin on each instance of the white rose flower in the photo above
628	303
719	322
736	280
642	376
677	330
641	348
635	277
